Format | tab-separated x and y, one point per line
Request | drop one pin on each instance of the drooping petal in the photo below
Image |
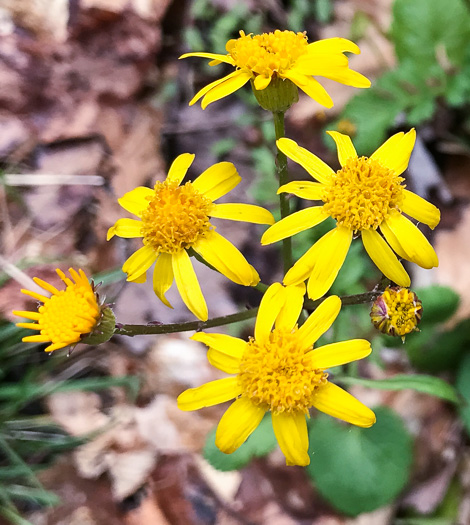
271	303
392	239
126	228
333	45
163	277
311	163
304	189
261	82
210	86
292	436
226	258
337	354
239	421
209	394
180	167
311	87
242	212
136	200
295	223
420	209
395	153
319	321
188	285
55	346
414	243
231	84
336	402
384	258
224	362
346	149
217	180
227	344
328	262
139	262
289	314
211	56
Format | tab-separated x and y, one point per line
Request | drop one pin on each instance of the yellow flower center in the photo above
277	375
176	217
69	314
397	311
267	53
362	194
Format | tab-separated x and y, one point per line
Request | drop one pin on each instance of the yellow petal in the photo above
180	167
139	262
126	228
420	209
210	394
319	321
414	243
261	82
242	212
336	402
39	338
31	326
327	263
222	361
226	258
311	87
292	436
188	285
344	145
337	354
304	189
295	223
35	316
333	45
217	180
239	421
317	64
311	163
136	200
210	86
230	84
163	277
35	295
227	344
46	286
392	239
55	346
211	56
289	314
271	303
396	151
384	258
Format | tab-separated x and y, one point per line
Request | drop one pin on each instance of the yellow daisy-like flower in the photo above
174	218
68	316
280	371
282	55
364	196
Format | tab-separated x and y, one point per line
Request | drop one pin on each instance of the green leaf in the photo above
463	386
359	470
434	386
421	30
439	303
259	444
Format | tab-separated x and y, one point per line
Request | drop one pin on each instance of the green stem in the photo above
138	329
281	164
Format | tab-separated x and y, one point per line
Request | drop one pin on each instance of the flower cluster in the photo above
280	369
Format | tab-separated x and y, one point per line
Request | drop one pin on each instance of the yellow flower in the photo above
282	55
279	371
365	195
397	311
68	316
174	218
